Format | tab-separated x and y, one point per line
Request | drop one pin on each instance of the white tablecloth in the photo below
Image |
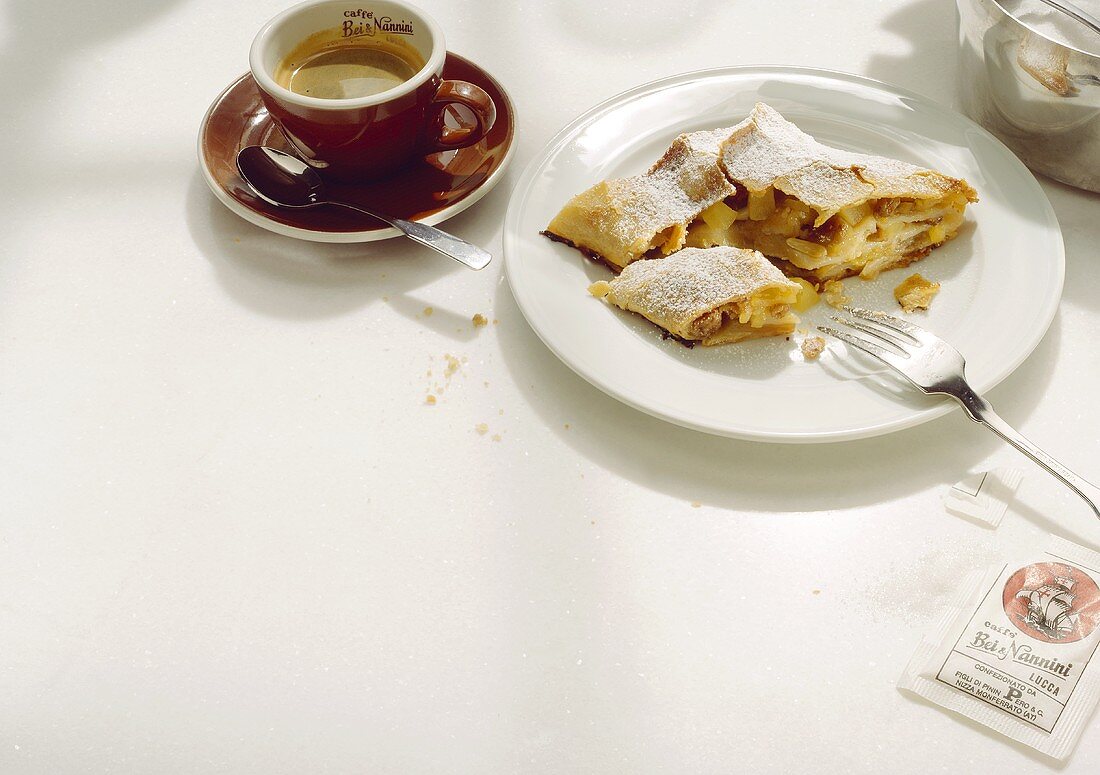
234	538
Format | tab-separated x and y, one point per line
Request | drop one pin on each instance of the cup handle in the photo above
444	138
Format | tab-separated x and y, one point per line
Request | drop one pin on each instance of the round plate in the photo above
1001	276
428	190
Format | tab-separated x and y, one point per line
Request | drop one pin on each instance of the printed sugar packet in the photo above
1018	649
984	496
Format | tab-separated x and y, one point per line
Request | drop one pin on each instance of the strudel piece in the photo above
819	212
622	220
826	213
712	296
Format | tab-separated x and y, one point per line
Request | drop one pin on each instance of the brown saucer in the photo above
429	190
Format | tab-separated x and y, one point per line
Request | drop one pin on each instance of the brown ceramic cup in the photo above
367	137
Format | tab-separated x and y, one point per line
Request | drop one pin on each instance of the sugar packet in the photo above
1017	651
984	496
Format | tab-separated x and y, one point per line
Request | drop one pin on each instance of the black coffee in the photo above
344	72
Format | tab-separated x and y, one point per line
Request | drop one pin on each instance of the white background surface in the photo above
233	537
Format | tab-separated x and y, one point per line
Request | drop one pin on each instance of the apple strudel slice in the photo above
621	220
825	213
707	296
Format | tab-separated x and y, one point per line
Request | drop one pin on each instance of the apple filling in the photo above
766	314
863	239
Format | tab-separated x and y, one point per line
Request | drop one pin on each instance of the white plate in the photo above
1002	276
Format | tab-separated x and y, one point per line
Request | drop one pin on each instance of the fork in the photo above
937	368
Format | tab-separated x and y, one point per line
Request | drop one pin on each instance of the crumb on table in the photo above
480	320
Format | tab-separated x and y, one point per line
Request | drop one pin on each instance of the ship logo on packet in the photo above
1052	602
1019	650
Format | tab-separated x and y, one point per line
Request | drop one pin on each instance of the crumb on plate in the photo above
834	294
600	288
812	347
916	292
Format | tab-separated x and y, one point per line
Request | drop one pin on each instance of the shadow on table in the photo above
744	475
598	25
929	64
294	279
1076	211
34	55
31	47
603	26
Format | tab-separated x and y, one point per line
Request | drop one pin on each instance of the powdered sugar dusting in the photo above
683	183
620	219
706	141
685	285
767	150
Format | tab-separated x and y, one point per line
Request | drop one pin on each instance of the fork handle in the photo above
979	410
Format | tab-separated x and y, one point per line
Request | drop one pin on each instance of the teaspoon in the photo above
286	181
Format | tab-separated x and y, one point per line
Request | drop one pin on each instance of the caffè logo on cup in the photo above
359	22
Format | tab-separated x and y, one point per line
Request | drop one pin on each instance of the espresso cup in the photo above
378	67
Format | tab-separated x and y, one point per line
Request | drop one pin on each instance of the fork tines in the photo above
879	329
921	356
870	348
883	319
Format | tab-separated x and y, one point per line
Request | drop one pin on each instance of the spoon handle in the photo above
449	245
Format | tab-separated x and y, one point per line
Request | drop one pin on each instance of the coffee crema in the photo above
343	70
